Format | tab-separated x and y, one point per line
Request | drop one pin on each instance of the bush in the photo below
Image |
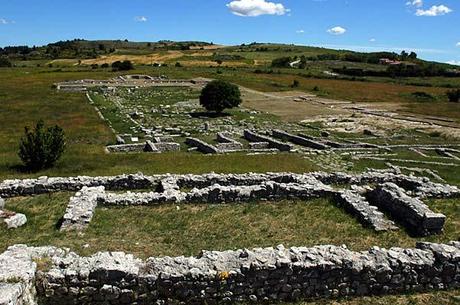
282	62
295	83
5	62
178	65
219	95
42	147
422	95
453	95
104	66
122	65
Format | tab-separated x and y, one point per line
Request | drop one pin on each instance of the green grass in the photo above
168	230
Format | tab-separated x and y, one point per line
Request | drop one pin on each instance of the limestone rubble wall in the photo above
415	186
258	275
273	143
298	140
202	146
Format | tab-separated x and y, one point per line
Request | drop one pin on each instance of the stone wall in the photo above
44	185
417	216
255	137
241	188
202	146
167	146
227	143
81	207
148	146
259	145
126	148
367	214
420	187
298	140
258	275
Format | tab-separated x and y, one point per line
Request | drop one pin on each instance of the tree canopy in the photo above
219	95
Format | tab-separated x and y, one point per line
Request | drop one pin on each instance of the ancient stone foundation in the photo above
417	217
258	275
396	194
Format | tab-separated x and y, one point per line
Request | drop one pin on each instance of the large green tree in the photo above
219	95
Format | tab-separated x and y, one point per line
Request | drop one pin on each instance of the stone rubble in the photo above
259	275
12	220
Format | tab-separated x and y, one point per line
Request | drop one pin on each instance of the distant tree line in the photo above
406	64
401	70
371	58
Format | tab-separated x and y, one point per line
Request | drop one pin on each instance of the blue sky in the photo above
429	27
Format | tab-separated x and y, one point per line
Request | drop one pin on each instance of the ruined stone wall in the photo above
126	148
258	275
44	185
255	137
227	143
202	146
167	146
415	186
417	216
298	140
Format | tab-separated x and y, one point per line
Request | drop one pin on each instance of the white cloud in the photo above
254	8
141	19
338	30
458	44
372	40
5	21
300	31
435	10
417	3
454	62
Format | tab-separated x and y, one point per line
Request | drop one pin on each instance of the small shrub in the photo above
178	65
104	66
421	95
5	62
42	147
316	88
435	134
453	95
295	83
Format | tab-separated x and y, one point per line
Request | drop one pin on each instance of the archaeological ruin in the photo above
258	275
